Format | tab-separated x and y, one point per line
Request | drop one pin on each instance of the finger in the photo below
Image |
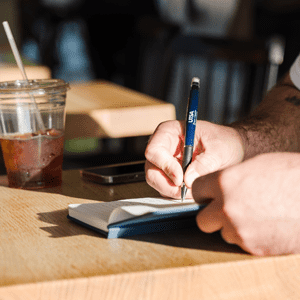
160	182
229	235
157	179
210	219
207	187
216	149
203	164
165	150
187	196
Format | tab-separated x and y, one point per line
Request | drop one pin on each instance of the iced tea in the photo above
34	161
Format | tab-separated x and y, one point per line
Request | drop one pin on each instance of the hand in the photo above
215	148
255	204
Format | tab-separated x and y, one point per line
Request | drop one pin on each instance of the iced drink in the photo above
34	160
32	120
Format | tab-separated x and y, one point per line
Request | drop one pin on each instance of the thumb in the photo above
203	164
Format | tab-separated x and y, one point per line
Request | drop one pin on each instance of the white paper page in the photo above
131	208
94	214
99	215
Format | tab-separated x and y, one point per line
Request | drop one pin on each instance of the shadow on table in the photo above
61	226
191	238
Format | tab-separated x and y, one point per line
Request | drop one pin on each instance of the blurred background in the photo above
156	47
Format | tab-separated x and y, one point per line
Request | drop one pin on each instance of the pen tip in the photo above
183	192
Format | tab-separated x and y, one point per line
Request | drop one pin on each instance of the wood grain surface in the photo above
39	243
104	109
43	255
273	278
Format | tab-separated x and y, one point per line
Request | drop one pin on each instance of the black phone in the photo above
116	174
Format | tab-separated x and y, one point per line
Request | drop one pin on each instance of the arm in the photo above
275	124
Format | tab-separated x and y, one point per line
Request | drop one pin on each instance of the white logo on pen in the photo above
192	117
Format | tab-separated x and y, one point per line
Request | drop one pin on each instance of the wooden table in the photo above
103	109
10	72
43	255
100	109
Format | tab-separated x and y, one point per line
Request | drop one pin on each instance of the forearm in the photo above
275	125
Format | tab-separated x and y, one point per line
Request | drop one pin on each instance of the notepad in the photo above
129	217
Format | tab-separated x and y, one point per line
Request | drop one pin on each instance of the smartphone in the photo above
116	174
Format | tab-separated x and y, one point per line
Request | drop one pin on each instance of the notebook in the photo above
135	216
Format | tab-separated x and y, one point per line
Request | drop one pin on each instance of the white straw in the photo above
14	49
22	69
3	123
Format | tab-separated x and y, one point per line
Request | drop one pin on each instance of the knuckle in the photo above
209	164
150	152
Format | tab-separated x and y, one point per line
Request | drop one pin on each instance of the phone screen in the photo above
118	170
113	174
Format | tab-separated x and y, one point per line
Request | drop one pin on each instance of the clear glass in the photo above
32	120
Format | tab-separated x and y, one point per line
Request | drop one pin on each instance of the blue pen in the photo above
190	126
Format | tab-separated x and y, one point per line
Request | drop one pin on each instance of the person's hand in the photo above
215	148
255	204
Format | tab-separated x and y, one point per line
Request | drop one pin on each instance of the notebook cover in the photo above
157	223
